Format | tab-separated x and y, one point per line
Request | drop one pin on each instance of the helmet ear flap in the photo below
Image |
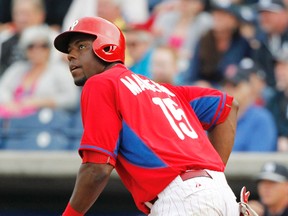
106	51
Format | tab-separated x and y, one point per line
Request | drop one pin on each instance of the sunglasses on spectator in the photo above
40	45
133	43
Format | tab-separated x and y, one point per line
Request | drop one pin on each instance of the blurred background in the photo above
237	46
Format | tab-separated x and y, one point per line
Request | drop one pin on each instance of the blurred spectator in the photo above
272	186
164	65
273	35
135	11
249	25
111	10
278	105
140	44
55	12
37	82
256	129
120	12
259	88
222	46
181	26
25	13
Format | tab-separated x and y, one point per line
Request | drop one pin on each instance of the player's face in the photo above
83	63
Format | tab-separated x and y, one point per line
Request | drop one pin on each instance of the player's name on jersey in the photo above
137	84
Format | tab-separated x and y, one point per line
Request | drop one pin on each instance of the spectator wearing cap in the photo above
256	129
272	35
38	81
25	13
278	103
220	47
272	186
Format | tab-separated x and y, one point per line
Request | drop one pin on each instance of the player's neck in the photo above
107	67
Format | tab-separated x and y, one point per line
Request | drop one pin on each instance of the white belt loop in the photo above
148	204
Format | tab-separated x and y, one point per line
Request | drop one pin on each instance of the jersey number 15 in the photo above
176	117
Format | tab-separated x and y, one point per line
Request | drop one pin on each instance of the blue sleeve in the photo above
209	109
211	106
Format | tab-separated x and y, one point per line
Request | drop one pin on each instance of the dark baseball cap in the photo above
273	171
237	73
249	66
234	75
271	5
230	8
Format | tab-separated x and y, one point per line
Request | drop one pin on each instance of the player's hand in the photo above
245	209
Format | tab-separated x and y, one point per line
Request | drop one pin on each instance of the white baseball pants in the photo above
199	196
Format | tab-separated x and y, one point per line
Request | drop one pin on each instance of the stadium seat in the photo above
38	140
74	132
45	130
3	132
44	119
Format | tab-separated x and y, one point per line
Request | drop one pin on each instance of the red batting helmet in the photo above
109	44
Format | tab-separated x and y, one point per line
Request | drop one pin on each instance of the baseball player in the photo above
169	144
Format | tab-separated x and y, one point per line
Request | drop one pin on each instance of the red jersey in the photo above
150	132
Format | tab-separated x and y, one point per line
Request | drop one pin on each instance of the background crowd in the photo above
238	46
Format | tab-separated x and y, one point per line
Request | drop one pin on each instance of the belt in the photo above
193	174
188	174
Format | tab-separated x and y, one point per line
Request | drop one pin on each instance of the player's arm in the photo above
222	135
91	180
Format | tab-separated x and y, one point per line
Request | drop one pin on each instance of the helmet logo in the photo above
74	25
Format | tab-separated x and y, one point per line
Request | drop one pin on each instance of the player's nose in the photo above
71	54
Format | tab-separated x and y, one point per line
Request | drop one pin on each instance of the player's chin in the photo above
80	81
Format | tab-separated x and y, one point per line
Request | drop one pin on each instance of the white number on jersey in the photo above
176	117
